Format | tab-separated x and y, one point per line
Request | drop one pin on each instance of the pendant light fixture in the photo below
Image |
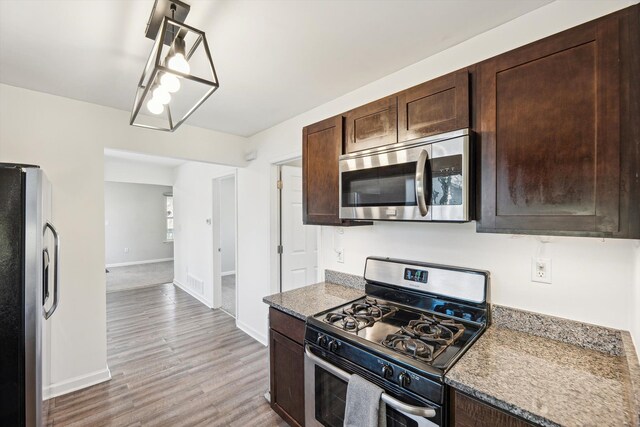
179	75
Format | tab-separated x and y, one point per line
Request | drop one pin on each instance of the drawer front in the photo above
289	326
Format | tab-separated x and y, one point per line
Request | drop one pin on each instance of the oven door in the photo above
392	184
326	392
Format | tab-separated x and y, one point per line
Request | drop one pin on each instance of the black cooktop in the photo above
425	339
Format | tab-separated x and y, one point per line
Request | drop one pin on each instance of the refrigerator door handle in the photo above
45	276
56	273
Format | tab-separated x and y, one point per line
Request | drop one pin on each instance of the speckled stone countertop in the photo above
310	300
548	382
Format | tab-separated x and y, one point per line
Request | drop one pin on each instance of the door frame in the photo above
275	203
215	231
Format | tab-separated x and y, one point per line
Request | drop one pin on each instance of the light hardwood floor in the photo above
173	362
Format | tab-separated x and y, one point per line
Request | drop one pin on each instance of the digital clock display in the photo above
414	275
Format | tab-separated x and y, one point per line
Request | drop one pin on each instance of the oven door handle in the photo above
420	188
420	411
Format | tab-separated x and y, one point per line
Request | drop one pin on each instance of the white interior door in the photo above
299	242
217	270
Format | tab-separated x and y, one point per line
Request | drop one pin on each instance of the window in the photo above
169	203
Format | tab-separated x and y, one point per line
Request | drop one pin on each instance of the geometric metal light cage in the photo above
199	79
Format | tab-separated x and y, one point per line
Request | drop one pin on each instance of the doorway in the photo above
225	244
298	243
138	235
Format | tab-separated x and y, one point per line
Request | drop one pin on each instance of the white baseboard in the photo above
228	273
149	261
197	296
76	383
258	336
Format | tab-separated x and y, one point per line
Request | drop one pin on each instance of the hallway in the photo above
139	275
173	362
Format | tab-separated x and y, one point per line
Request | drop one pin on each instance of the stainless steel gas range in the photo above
414	323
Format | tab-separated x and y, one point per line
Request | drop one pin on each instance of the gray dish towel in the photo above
364	407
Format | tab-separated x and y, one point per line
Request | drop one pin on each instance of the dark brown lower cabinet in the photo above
286	353
469	412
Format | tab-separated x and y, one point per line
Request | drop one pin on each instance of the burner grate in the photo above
425	338
360	315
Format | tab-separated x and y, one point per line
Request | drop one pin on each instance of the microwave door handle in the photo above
56	274
423	158
420	411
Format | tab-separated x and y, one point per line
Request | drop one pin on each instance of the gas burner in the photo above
411	346
370	307
425	338
433	330
349	322
360	315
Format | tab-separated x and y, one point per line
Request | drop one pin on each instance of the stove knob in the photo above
387	371
404	379
321	341
333	345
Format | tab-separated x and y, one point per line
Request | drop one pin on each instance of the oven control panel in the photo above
387	370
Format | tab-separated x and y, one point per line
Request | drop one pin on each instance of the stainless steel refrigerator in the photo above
29	291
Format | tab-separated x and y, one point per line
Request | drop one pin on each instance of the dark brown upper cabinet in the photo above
549	127
439	105
372	125
321	148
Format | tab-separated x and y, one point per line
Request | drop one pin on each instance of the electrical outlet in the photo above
126	250
340	256
541	270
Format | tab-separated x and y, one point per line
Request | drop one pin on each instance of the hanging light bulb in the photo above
154	106
170	82
177	60
161	95
179	63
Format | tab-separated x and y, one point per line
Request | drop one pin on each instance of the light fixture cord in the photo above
173	16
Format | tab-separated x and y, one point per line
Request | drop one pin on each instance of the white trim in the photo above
76	383
197	296
149	261
258	336
228	273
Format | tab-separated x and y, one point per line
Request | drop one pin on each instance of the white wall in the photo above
228	224
67	138
135	219
591	277
577	288
193	236
121	170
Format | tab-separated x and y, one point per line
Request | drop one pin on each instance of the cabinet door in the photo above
287	378
469	412
439	105
321	147
372	125
549	123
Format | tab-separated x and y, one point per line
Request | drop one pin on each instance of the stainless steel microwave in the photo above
427	179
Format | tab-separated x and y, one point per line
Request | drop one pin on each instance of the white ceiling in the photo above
274	58
131	156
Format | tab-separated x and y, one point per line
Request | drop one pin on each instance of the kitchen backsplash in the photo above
350	280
